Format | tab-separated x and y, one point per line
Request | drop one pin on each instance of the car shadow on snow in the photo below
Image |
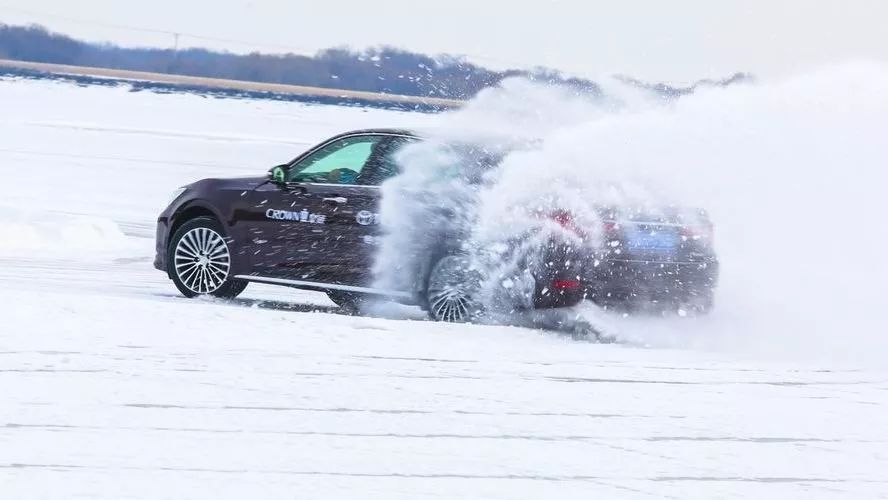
563	322
267	304
569	322
283	305
383	310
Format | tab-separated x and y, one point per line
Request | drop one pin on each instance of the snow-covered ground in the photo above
114	387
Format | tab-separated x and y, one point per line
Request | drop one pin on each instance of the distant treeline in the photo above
384	70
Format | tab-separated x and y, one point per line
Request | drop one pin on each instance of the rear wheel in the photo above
452	290
199	260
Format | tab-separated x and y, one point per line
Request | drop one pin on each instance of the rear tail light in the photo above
565	285
611	229
697	233
566	220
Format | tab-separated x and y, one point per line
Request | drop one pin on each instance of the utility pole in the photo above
174	63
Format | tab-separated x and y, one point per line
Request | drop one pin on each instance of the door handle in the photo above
336	199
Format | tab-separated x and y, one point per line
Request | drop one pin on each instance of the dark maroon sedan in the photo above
313	224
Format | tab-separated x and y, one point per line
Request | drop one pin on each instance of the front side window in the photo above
340	162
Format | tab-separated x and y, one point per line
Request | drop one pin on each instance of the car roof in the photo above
386	131
505	141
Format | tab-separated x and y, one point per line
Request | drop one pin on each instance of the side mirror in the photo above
278	174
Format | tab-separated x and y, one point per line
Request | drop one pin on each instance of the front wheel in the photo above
199	260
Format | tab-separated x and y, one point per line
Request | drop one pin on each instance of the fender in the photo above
194	204
190	204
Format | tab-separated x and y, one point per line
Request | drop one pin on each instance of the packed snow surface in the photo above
115	387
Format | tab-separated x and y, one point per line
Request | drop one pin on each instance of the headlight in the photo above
175	194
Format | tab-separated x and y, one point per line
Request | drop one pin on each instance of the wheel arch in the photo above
191	211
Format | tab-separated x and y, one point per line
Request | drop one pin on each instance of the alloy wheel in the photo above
452	286
202	260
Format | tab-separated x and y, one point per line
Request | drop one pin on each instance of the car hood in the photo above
230	183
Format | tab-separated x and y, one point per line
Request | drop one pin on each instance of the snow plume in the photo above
445	182
792	173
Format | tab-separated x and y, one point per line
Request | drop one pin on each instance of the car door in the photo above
306	227
357	218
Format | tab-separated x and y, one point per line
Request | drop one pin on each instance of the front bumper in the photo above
160	244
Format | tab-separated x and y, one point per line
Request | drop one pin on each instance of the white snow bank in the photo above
53	233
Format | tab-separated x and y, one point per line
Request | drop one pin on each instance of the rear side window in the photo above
387	167
340	162
450	160
469	163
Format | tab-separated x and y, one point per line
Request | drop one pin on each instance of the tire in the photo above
199	260
451	292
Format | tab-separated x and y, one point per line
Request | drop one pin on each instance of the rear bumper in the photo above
615	280
519	276
559	277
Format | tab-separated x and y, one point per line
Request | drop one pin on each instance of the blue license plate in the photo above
658	241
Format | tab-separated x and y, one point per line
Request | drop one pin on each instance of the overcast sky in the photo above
663	40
